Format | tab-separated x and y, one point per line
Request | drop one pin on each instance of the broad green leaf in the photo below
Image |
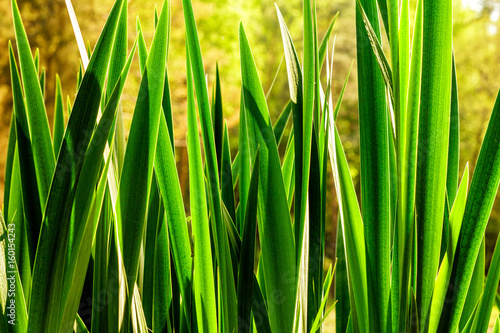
373	38
275	228
433	141
374	134
480	200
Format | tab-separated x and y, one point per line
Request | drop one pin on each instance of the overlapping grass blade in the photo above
483	313
295	83
10	279
170	189
80	125
475	288
275	228
162	297
43	154
136	176
203	281
353	233
31	199
11	147
444	274
482	192
247	254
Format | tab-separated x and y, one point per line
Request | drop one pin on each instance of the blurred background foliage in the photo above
476	45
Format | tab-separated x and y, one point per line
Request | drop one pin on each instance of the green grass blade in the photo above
375	163
483	313
162	297
280	124
325	41
309	114
228	301
42	82
9	277
101	301
217	116
11	147
59	125
343	308
137	174
288	170
43	154
69	164
119	51
275	228
75	270
475	288
408	175
154	216
203	284
247	255
170	189
30	192
433	141
482	192
227	193
86	211
496	329
373	38
444	274
353	232
296	95
454	146
318	320
17	227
